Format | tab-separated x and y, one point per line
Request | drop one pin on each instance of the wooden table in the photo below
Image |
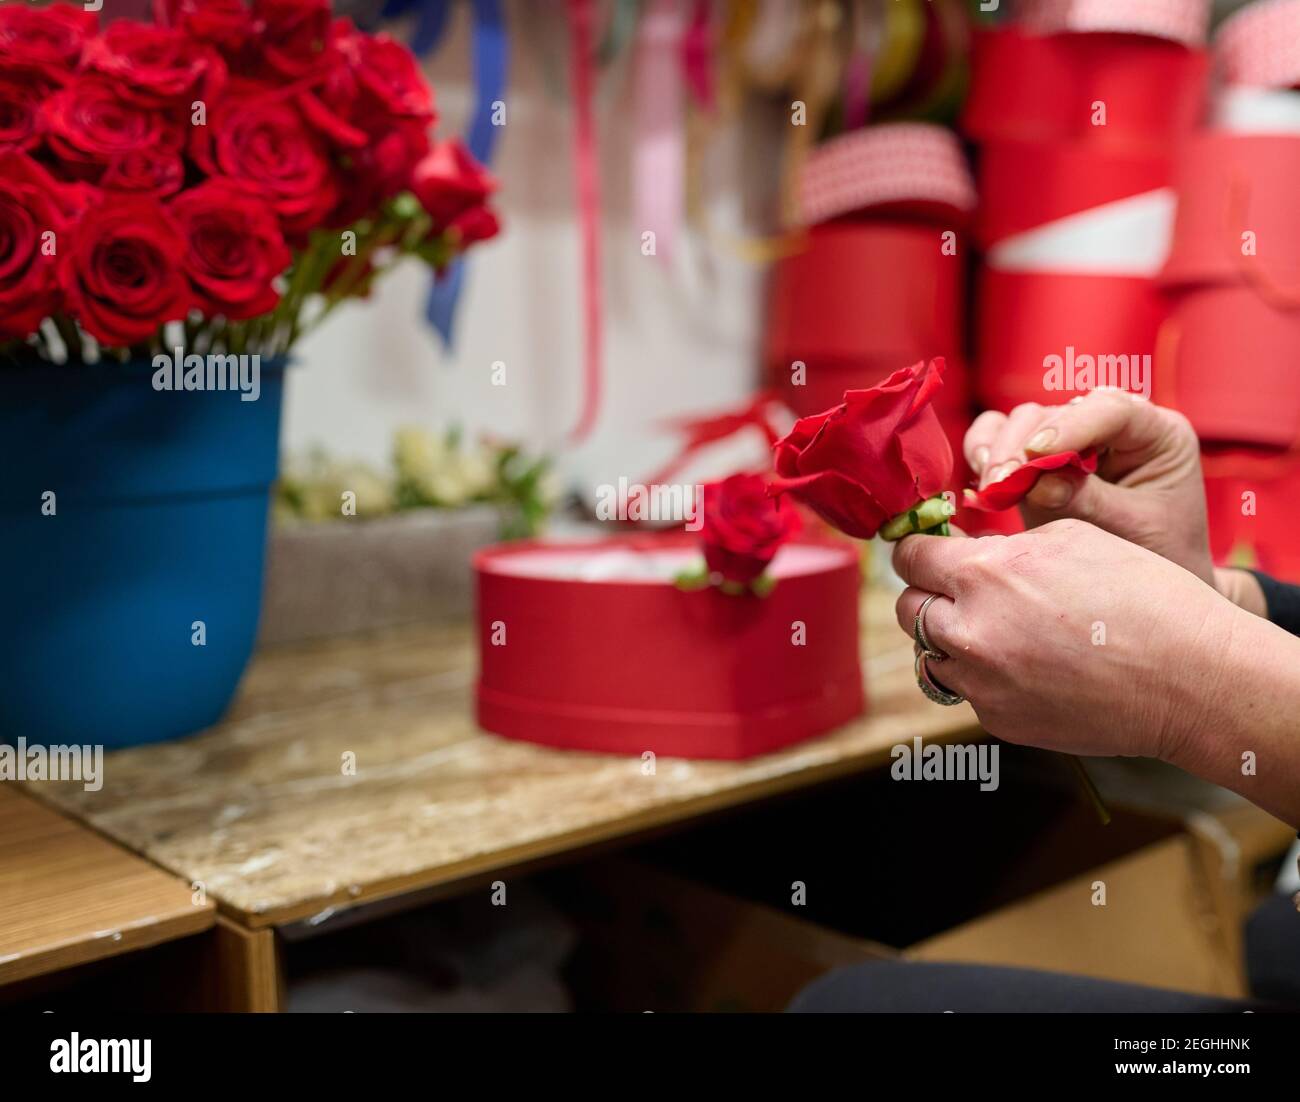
265	812
69	897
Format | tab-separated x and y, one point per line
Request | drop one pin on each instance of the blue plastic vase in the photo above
158	525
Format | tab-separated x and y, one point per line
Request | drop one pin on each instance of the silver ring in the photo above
918	631
933	691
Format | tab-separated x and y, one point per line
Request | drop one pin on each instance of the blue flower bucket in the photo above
129	604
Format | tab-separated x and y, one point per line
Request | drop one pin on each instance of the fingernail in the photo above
1051	492
1041	440
997	473
981	457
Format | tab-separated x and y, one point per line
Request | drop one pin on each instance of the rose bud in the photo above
876	463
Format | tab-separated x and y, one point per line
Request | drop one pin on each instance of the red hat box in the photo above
1232	365
1250	496
591	646
1027	317
863	299
1238	218
1045	87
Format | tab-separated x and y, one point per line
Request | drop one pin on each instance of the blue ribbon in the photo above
491	68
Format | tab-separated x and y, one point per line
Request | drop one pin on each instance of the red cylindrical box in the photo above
865	298
1027	317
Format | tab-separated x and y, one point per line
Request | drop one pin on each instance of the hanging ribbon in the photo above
587	178
491	65
699	432
658	159
865	35
697	56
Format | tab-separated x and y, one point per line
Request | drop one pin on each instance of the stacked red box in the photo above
879	283
1232	344
1078	108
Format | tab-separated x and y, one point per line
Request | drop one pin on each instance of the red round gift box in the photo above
1025	317
633	666
1230	185
1036	87
863	299
1261	527
1233	366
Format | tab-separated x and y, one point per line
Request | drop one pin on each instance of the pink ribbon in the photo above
586	173
658	160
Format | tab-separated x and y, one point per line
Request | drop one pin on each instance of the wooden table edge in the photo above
474	868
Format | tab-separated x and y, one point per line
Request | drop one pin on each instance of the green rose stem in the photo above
930	518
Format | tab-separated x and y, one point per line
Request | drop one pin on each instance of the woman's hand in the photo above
1148	486
1070	638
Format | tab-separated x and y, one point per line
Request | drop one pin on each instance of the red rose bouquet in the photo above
221	178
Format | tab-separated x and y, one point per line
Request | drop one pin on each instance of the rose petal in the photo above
1013	489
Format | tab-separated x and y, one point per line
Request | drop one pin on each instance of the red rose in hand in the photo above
89	123
21	96
233	249
157	172
262	141
743	527
121	275
47	41
878	454
31	223
453	187
154	65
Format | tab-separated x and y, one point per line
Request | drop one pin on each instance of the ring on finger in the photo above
933	691
918	631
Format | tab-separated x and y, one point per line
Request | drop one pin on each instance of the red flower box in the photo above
628	662
864	297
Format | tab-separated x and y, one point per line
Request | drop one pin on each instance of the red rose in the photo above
743	527
881	453
388	82
71	200
21	96
378	171
476	224
29	210
262	141
234	249
371	89
157	172
453	187
155	65
122	275
228	26
47	41
89	123
295	38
